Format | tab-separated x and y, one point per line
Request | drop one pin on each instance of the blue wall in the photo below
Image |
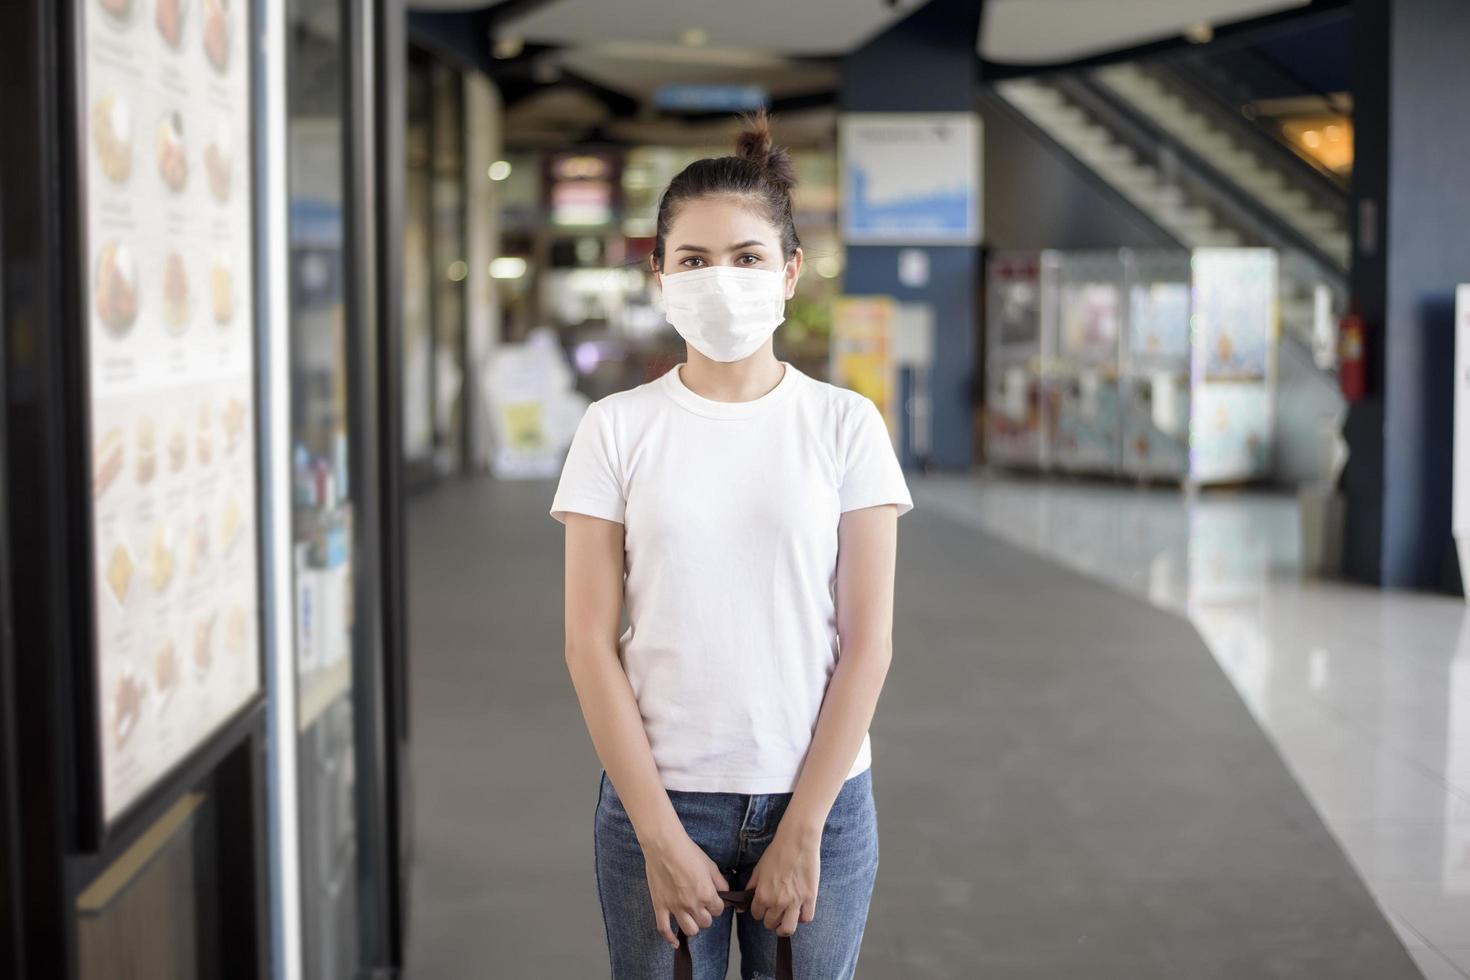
926	63
1412	124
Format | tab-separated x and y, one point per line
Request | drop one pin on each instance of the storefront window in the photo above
418	274
322	497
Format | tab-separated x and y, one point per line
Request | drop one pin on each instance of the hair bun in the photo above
754	144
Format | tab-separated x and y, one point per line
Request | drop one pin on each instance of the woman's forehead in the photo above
720	218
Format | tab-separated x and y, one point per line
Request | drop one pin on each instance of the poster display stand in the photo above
1022	286
1087	436
1157	365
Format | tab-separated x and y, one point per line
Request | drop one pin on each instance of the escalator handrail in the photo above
1146	136
1186	72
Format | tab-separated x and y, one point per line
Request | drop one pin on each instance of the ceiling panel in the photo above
804	128
1049	31
640	69
784	26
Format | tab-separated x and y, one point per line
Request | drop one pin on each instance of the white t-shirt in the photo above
730	513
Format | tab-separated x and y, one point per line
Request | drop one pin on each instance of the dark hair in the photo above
758	171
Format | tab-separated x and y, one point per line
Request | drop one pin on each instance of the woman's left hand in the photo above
785	880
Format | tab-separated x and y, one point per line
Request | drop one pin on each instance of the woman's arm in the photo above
787	876
684	884
867	550
594	609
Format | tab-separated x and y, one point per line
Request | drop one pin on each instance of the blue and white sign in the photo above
910	178
709	98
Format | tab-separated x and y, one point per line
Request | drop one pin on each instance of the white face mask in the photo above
725	311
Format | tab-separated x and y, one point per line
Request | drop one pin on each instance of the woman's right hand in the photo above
683	882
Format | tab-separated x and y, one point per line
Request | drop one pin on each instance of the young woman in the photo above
747	514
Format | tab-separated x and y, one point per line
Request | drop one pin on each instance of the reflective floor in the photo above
1068	785
1365	693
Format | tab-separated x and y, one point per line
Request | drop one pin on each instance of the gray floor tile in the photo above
1067	784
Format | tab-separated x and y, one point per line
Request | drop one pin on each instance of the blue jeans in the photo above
734	830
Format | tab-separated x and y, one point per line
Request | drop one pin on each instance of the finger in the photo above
702	916
665	926
809	909
758	906
714	904
687	923
788	921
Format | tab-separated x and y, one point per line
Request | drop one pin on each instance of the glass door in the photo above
418	274
322	512
450	271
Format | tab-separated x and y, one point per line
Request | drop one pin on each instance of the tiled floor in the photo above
1067	784
1365	693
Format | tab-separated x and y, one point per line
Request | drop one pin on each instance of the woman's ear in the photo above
653	267
793	272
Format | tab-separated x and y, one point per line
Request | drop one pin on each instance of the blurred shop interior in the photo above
276	273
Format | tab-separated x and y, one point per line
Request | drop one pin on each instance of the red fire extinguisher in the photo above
1352	355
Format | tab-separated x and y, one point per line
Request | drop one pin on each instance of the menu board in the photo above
168	291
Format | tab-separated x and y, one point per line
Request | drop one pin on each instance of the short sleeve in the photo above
871	473
590	482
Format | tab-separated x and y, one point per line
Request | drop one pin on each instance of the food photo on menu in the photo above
218	161
169	17
217	33
120	573
221	290
116	289
161	557
108	461
204	439
178	447
232	420
147	461
175	293
165	672
173	162
204	644
112	136
127	703
120	10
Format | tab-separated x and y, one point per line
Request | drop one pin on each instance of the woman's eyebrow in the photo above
700	248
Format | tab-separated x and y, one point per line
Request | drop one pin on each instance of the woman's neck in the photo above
731	381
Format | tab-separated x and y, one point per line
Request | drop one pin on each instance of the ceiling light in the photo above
499	170
458	270
1201	33
507	47
507	267
693	37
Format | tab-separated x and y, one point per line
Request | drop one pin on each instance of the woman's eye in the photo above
754	259
689	262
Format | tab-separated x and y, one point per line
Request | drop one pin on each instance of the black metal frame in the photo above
56	832
12	902
376	51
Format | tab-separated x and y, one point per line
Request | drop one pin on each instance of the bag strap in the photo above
740	902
